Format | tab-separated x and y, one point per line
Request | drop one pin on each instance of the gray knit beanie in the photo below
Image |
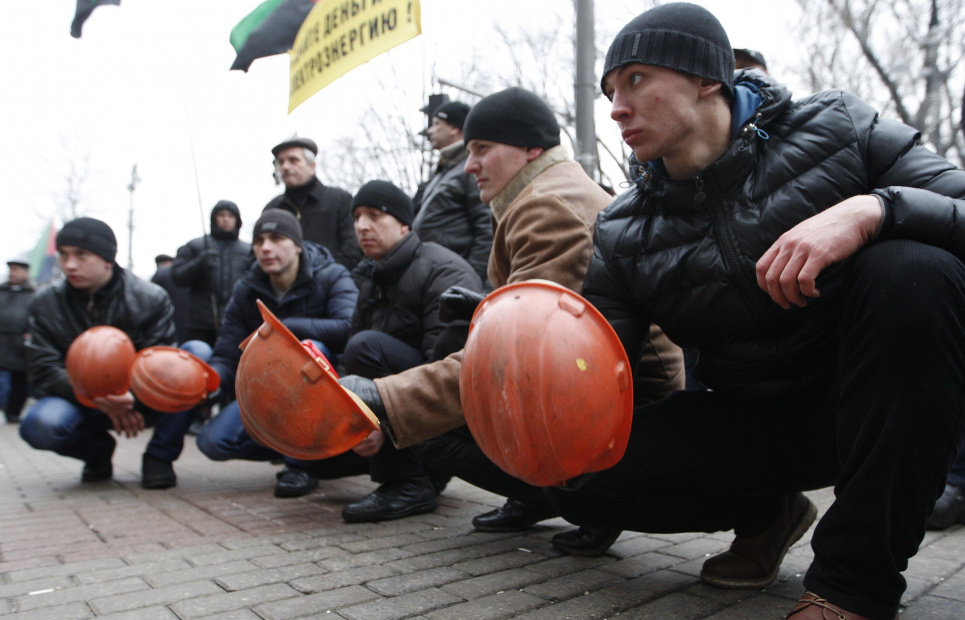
680	36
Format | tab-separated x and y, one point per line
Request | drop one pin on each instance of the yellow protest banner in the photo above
339	35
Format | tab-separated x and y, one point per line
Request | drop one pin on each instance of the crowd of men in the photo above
808	250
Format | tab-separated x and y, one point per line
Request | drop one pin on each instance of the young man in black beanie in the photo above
312	294
812	252
544	206
395	326
448	209
97	291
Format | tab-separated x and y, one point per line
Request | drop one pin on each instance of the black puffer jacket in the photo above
14	306
399	295
325	214
209	279
60	313
683	253
318	305
450	213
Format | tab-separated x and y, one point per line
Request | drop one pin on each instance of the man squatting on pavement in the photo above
544	207
812	253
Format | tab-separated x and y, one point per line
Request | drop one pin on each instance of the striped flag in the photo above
268	30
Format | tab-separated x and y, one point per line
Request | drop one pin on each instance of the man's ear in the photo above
708	87
533	152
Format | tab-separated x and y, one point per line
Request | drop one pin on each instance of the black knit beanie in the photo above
680	36
90	234
387	198
279	222
513	116
453	112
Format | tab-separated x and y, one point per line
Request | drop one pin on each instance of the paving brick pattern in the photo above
219	546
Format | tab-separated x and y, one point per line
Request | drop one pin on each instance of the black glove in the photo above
369	394
457	303
208	257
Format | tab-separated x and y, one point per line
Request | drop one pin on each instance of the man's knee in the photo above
49	423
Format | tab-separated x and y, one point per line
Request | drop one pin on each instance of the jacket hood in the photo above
225	205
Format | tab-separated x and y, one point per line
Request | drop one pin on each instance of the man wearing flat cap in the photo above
15	297
448	209
97	291
324	212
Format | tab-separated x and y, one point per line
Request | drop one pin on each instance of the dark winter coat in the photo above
399	295
325	214
210	280
450	213
682	253
318	306
60	313
14	307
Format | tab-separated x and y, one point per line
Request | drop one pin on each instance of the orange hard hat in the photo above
98	363
290	398
169	379
545	384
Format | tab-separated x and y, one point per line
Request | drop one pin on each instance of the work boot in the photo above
754	561
586	541
393	500
157	474
100	468
813	607
949	509
293	482
514	516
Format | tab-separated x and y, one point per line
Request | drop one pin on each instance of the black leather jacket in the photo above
450	213
682	253
60	313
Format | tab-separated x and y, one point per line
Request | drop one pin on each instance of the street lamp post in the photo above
130	219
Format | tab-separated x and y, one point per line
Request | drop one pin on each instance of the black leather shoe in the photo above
97	471
514	516
586	541
157	474
393	500
949	509
294	483
100	468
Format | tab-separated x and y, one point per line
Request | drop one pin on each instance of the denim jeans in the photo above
70	429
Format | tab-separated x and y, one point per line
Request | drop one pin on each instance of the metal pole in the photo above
585	88
130	219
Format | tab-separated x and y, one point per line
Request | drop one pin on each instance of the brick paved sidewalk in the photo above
220	546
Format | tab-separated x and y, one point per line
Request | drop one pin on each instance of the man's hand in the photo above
369	394
458	304
788	269
120	409
371	444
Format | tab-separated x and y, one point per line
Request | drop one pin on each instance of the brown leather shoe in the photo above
813	607
753	562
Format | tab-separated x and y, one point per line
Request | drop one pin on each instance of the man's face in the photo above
295	169
83	269
442	134
275	253
18	274
225	220
377	232
494	164
655	109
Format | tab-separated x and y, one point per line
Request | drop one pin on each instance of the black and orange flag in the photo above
84	9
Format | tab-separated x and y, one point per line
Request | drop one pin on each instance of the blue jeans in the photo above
70	429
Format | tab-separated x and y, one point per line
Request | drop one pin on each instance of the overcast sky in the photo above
149	80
